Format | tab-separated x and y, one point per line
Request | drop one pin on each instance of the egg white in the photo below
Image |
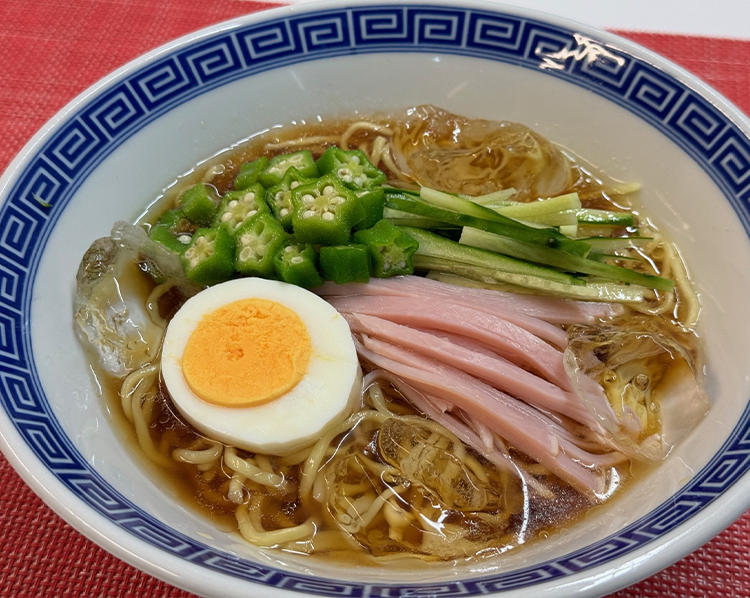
328	392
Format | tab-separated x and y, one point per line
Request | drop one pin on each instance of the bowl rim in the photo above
589	581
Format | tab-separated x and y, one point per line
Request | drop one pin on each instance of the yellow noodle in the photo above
264	463
377	398
476	467
397	520
199	457
362	126
152	303
147	407
377	150
144	438
314	460
139	380
387	159
250	471
236	491
260	537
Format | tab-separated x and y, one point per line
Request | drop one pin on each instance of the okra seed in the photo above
337	200
402	264
184	239
232	204
328	216
297	259
226	216
279	196
294	184
190	253
288	249
328	190
355	159
261	251
246	254
360	180
200	241
252	213
307	198
284	212
308	214
248	197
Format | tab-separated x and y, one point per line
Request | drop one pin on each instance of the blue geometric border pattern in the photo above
52	175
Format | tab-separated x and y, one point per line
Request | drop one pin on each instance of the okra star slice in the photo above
303	161
209	259
198	205
373	203
345	263
257	241
279	197
164	235
239	206
351	166
391	249
173	230
325	212
249	173
296	264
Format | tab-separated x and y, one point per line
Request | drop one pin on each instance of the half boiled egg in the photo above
261	365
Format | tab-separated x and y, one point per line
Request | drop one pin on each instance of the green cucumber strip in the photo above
531	210
496	196
454	203
564	218
557	259
610	292
569	230
606	244
436	247
606	217
407	219
543	237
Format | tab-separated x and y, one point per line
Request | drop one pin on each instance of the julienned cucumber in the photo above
486	240
606	291
543	237
435	248
604	217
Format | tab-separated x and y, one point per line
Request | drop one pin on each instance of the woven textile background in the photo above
51	50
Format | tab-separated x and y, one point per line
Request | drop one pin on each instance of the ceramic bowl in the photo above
115	147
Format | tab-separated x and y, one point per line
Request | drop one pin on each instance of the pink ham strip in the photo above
513	342
526	429
540	328
498	373
550	309
467	343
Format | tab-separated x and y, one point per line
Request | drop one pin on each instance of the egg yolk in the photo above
246	353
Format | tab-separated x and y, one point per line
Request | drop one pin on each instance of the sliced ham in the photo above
496	371
550	309
517	344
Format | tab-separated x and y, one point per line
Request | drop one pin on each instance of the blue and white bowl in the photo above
112	149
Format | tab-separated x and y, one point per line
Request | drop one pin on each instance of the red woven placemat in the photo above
50	50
